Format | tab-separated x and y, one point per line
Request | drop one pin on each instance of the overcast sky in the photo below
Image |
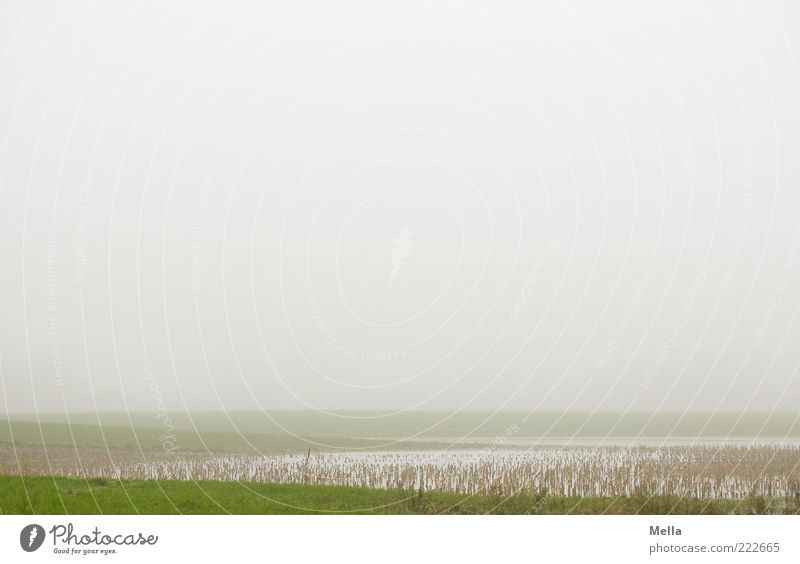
400	205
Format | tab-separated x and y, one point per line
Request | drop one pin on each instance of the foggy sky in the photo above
575	206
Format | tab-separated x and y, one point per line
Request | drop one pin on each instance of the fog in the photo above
399	205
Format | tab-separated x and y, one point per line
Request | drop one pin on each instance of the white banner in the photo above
355	539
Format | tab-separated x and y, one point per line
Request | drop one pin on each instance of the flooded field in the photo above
731	471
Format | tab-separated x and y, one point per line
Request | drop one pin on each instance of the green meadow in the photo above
58	496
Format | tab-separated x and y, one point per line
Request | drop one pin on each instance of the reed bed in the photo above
698	472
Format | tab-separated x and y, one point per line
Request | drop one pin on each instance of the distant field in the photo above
114	437
297	430
52	496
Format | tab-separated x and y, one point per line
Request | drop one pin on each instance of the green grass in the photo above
47	495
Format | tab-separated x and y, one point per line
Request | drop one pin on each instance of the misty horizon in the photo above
400	207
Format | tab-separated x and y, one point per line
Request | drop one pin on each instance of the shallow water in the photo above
684	471
707	471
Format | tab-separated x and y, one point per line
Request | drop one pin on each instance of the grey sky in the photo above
397	205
